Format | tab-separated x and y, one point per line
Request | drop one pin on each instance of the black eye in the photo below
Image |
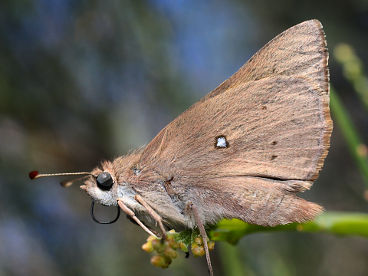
104	181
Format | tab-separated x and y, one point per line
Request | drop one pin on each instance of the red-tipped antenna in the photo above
35	174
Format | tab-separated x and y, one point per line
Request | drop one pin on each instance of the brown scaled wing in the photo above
274	114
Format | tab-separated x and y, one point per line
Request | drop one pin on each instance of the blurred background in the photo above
83	81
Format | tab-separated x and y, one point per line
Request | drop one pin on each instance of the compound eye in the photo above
104	181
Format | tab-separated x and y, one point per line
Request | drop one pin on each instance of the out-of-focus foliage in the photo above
353	70
357	148
82	81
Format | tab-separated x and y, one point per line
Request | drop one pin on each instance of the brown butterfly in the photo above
243	151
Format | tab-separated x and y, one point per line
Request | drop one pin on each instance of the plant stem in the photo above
350	134
338	223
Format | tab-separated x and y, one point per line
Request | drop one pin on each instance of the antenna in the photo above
35	174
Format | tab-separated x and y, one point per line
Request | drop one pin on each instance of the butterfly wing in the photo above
263	133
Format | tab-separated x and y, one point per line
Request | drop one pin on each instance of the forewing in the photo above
273	114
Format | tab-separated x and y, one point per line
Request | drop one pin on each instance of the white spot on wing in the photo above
136	171
221	142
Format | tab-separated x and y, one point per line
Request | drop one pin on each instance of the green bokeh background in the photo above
83	81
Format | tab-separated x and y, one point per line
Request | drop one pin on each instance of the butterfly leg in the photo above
132	215
203	233
153	214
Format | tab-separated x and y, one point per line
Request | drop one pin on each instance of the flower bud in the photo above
170	253
147	247
197	250
160	261
158	245
198	240
211	245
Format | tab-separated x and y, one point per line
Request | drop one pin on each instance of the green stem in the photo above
350	134
337	223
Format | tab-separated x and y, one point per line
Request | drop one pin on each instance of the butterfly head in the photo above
102	184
